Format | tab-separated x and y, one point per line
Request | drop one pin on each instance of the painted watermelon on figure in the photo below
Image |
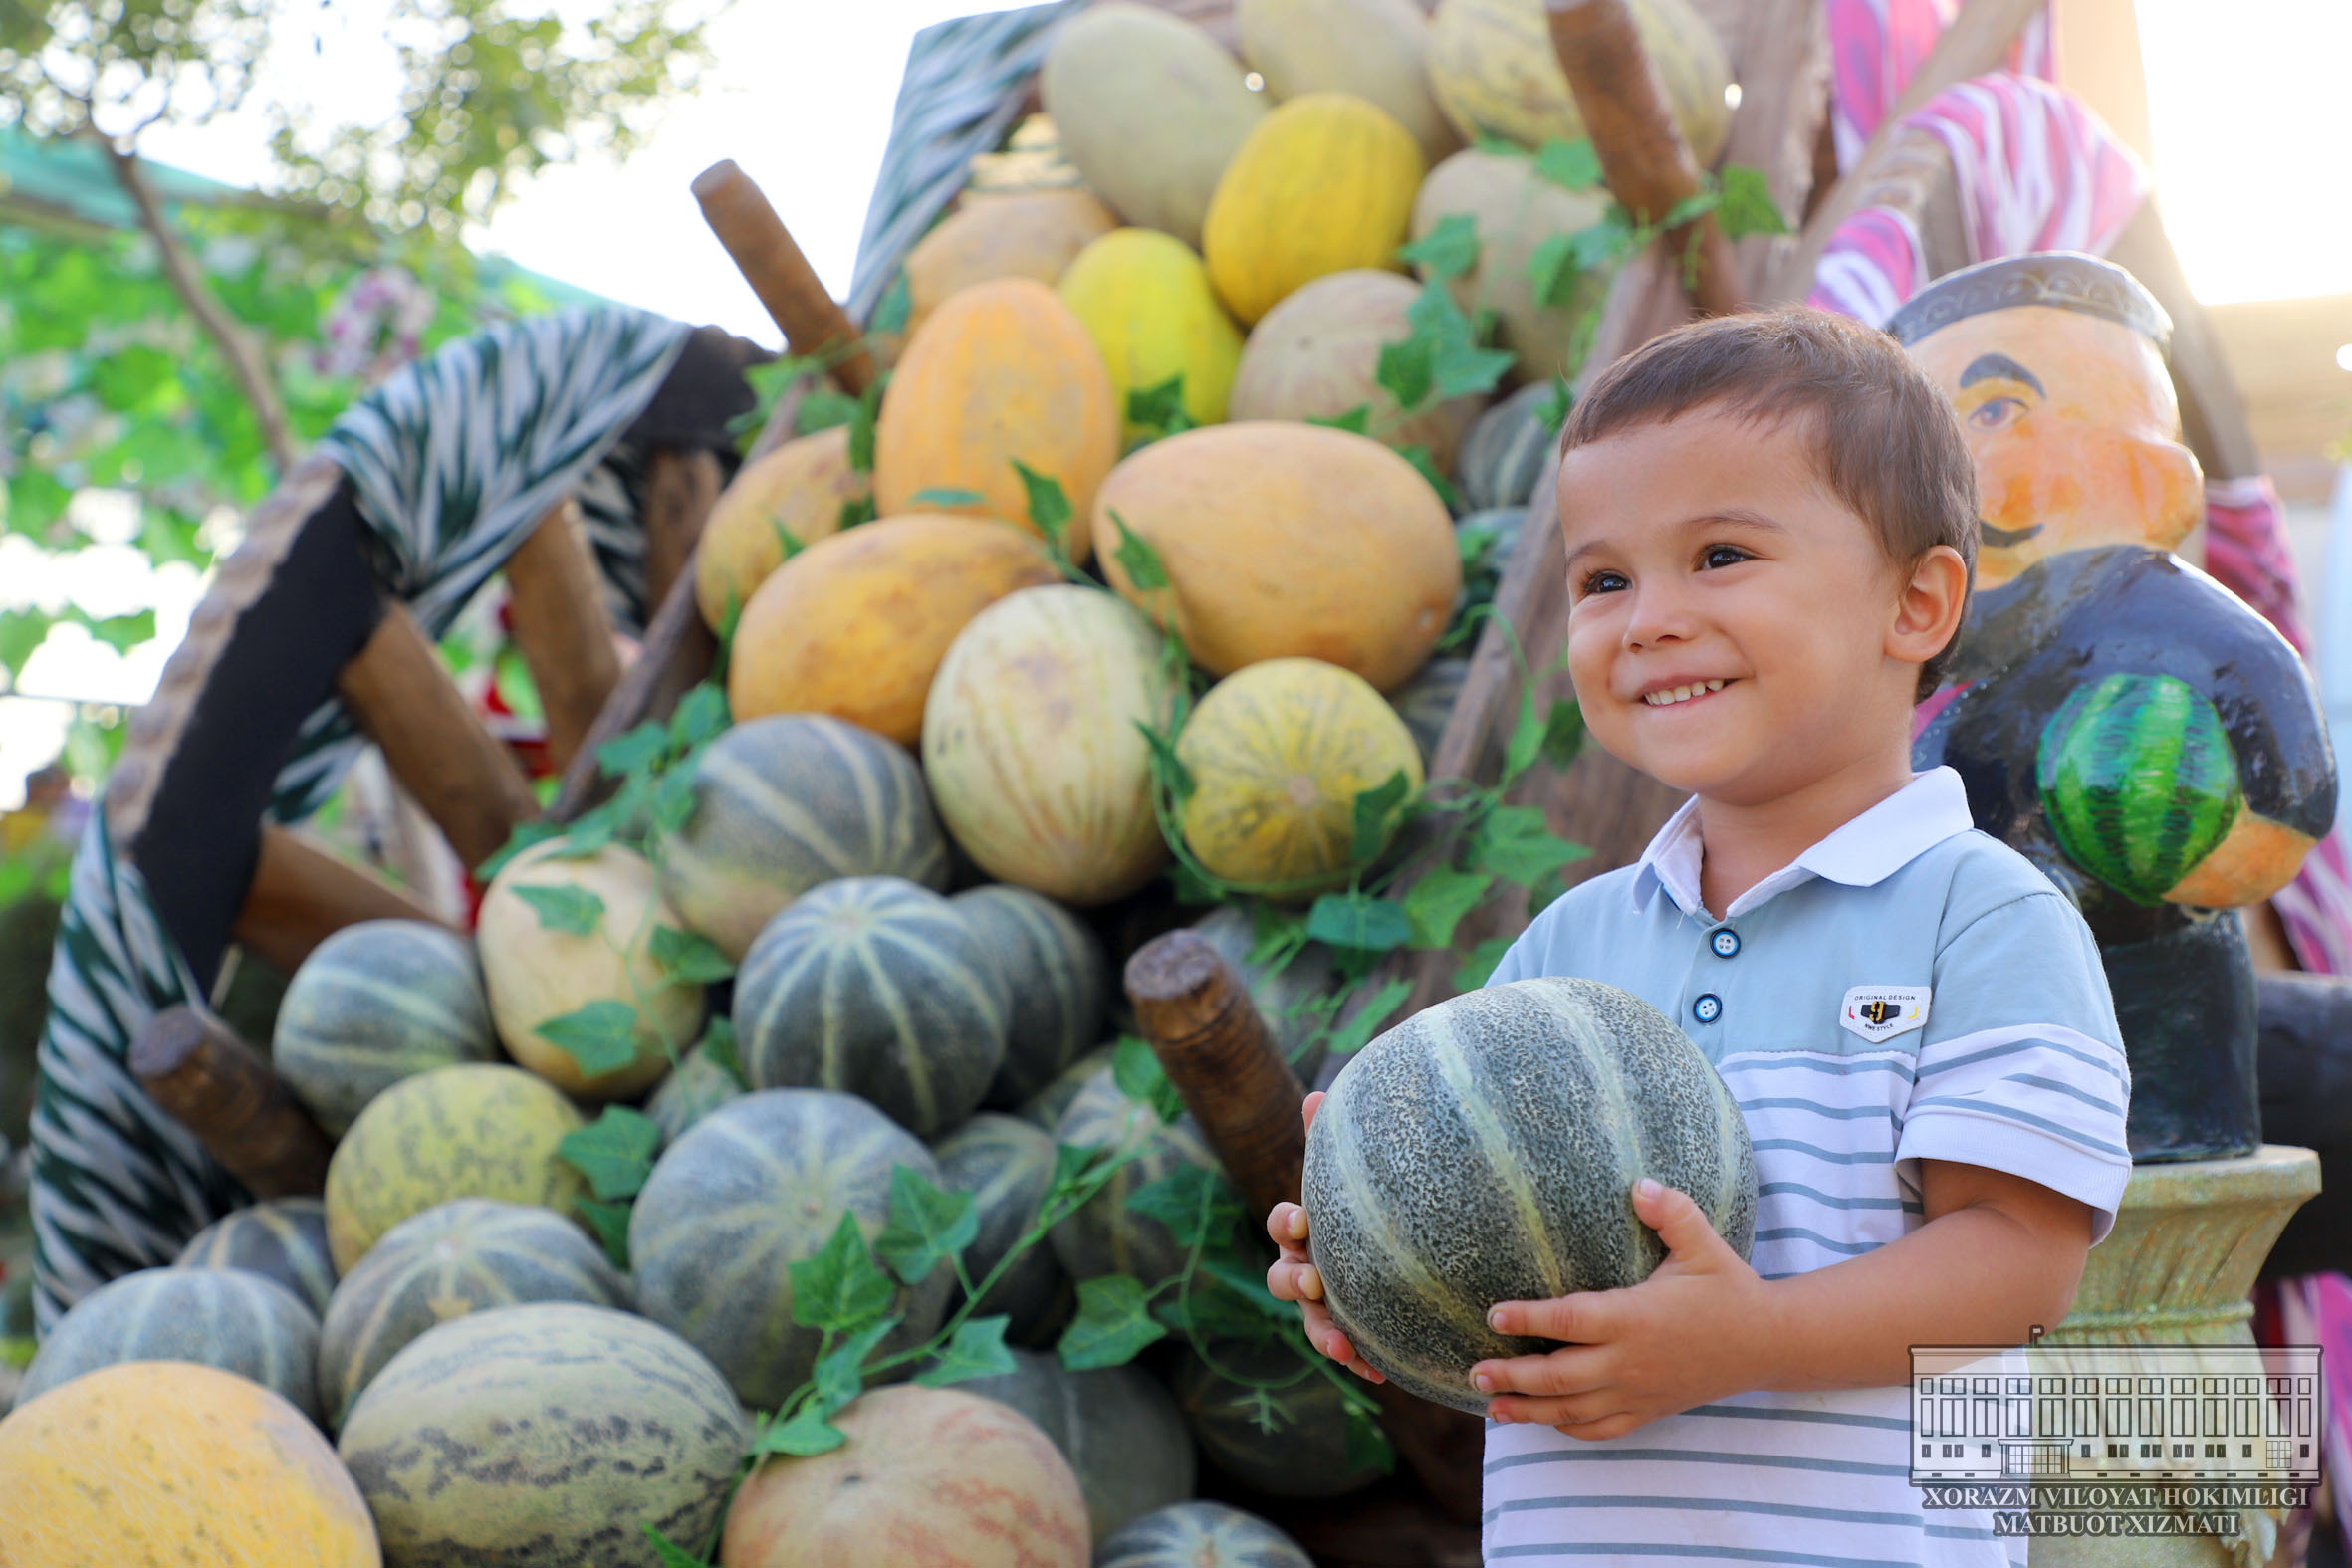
1106	1237
1056	976
215	1317
754	1188
549	1434
1118	1428
373	1004
1201	1535
1304	1455
2138	781
1007	1165
784	803
284	1240
465	1255
1485	1149
874	986
695	1087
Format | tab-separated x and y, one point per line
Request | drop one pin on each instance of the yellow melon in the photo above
1285	540
1376	49
148	1463
538	969
855	626
1150	108
1018	234
788	500
1516	210
1003	370
1317	354
1492	67
1147	301
1325	185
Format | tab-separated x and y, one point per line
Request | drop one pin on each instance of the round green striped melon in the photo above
1426	701
215	1317
284	1240
1118	1426
1007	1165
1056	976
784	802
1503	457
1286	994
551	1434
461	1256
1201	1535
752	1189
1106	1237
1044	1107
878	986
1485	1149
1304	1455
2139	781
373	1004
695	1087
475	1131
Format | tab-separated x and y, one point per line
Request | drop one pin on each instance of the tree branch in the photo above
243	360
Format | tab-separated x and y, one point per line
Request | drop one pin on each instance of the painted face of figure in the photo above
2075	430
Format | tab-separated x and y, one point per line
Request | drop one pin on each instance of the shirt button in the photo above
1725	942
1706	1009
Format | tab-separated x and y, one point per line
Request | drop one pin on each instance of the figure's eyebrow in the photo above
1992	366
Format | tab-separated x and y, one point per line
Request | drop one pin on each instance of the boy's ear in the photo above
1928	608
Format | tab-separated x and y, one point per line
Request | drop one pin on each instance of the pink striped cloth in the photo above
1875	45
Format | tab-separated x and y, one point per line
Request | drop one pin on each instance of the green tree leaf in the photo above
1691	208
1555	412
1458	367
1112	1324
806	1435
840	1286
1376	813
1357	420
839	1376
615	1152
1434	905
862	427
1481	962
573	911
822	409
1563	733
21	631
927	1226
609	1220
1748	207
1572	165
1358	1032
673	803
944	496
1197	1204
1137	559
1167	768
1551	270
601	1037
1447	250
1160	408
1359	921
855	510
633	750
121	632
977	1351
700	715
1135	1068
1049	506
689	958
894	307
1604	243
1514	843
1407	370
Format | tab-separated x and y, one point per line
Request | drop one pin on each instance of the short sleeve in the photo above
2021	1066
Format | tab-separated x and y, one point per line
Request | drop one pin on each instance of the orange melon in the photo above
1284	540
776	507
1003	370
855	625
1020	234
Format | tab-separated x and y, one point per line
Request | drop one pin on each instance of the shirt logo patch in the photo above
1880	1012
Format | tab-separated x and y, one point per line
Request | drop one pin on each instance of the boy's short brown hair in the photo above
1885	440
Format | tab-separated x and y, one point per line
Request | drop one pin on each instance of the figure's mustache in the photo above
2007	538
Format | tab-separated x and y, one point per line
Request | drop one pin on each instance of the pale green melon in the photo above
373	1004
1007	1165
1201	1535
1304	1455
695	1087
216	1317
1117	1425
1516	210
1056	976
1106	1237
284	1240
1504	455
1044	1107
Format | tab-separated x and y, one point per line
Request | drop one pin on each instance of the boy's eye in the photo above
1723	556
1605	582
1996	413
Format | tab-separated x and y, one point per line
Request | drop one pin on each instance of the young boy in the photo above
1770	524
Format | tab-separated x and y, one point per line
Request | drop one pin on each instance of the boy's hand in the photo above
1697	1329
1294	1276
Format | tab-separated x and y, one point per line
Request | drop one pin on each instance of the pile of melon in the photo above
1136	462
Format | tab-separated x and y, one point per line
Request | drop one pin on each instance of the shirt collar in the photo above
1867	851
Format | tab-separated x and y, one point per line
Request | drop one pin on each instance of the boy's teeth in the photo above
1681	694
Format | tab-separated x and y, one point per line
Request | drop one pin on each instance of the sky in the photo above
2251	124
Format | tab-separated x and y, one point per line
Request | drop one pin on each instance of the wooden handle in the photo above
561	625
678	651
1648	166
763	251
681	487
221	1090
301	895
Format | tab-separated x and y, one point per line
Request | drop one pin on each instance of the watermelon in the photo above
878	986
1304	1455
1286	994
784	803
284	1240
1117	1425
1485	1149
752	1189
1201	1535
1503	457
1056	976
1044	1107
373	1004
1007	1165
551	1434
695	1087
457	1257
2138	781
216	1317
1106	1237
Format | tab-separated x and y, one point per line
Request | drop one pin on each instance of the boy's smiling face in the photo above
1735	631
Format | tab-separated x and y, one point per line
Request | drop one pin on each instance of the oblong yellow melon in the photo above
1492	67
1516	210
1325	185
1003	371
1286	540
1030	745
1145	299
1150	108
1317	356
785	501
1278	753
855	625
1376	49
1018	234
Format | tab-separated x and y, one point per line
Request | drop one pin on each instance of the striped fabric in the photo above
1876	45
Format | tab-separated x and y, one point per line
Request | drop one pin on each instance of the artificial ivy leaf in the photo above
1167	769
700	714
1276	934
840	1286
1112	1324
1074	1171
1526	737
627	752
808	1433
840	1376
526	834
1135	1068
610	1220
893	308
1555	412
589	835
927	1226
1691	208
1407	370
861	426
1160	407
1514	844
1192	889
977	1351
1446	251
1049	506
1196	1204
1572	165
1480	964
718	1046
1137	559
1358	920
1563	732
673	804
1357	420
787	543
1458	367
854	510
671	1553
601	1037
1602	243
1377	813
822	409
1358	1032
1496	145
1746	206
944	496
1211	1312
615	1152
1436	904
573	911
1551	270
689	958
1426	465
1245	1282
1368	1447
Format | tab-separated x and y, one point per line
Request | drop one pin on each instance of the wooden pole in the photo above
771	262
556	600
241	1111
301	895
681	487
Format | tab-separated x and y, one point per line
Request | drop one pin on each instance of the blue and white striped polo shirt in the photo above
1907	989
